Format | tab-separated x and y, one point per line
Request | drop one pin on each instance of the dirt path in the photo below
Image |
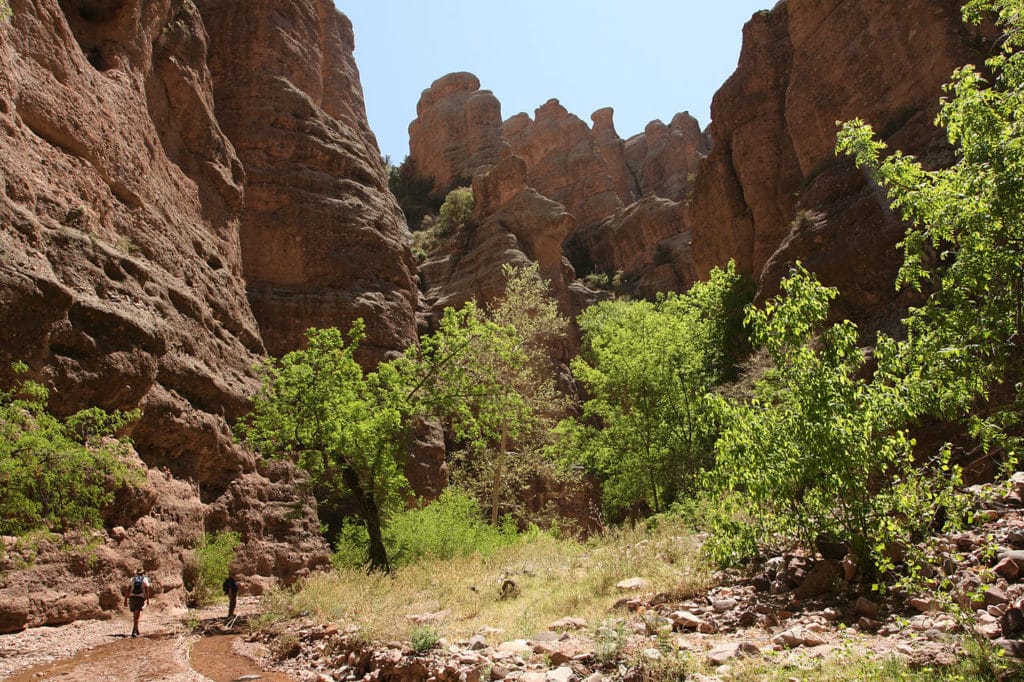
101	651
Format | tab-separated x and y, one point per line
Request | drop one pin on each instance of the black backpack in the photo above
137	584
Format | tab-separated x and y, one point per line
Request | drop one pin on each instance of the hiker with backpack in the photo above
136	597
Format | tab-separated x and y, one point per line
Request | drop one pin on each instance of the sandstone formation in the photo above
564	162
763	186
647	241
127	253
664	158
772	191
323	241
592	172
511	224
457	130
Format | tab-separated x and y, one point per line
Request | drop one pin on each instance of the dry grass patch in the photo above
460	597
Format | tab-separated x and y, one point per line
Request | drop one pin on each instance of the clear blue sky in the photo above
648	59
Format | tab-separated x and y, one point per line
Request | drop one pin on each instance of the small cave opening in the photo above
93	11
90	22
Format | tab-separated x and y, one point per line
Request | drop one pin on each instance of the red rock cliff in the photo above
323	241
125	252
772	191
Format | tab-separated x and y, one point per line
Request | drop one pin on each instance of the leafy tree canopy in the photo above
647	428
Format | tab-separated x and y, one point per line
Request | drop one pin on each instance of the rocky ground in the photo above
794	610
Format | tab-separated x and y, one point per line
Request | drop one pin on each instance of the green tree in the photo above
965	246
489	374
647	428
214	553
318	408
58	474
803	451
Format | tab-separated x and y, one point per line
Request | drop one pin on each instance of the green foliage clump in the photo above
55	474
449	527
423	638
345	428
819	451
454	212
5	10
214	553
648	428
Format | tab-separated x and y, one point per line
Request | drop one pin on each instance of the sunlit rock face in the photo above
323	240
772	191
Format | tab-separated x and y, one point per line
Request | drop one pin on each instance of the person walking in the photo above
136	597
231	589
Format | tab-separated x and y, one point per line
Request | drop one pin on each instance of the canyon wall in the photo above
185	187
772	190
322	239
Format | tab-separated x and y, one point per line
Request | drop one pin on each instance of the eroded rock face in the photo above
772	190
323	241
592	172
511	224
456	131
564	162
121	276
664	158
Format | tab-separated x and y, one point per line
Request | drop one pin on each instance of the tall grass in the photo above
555	578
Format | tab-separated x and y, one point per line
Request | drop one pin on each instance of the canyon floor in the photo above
167	651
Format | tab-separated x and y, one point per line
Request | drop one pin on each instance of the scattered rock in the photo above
866	608
723	653
632	585
798	636
685	619
821	579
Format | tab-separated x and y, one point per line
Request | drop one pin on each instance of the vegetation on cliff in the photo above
58	474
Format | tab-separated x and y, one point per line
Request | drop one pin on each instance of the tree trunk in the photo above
498	475
368	509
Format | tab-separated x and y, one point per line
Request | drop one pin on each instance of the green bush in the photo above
819	450
57	475
423	638
450	526
454	212
213	556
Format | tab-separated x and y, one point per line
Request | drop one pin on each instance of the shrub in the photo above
449	527
454	212
422	639
213	556
57	475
